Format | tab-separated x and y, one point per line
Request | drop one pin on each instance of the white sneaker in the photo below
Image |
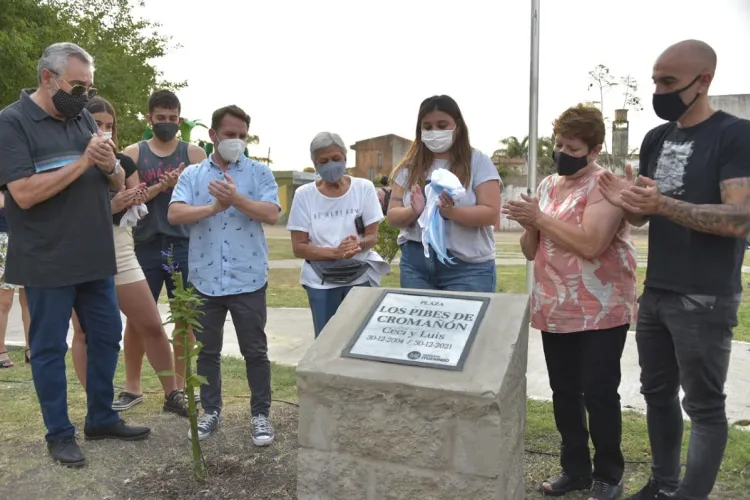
262	431
207	423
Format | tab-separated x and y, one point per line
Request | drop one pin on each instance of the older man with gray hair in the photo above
57	169
334	223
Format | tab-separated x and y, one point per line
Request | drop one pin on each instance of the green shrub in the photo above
387	246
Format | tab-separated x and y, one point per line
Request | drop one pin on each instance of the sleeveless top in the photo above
150	168
572	294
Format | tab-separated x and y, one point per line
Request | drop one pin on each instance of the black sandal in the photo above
6	363
563	483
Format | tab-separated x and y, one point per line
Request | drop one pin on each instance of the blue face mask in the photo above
332	171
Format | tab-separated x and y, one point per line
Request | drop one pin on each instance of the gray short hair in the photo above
324	140
55	58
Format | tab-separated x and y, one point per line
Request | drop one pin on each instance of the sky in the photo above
361	68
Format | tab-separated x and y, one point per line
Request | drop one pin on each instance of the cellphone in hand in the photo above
359	223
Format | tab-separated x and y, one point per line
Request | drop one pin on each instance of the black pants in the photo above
248	312
584	374
685	340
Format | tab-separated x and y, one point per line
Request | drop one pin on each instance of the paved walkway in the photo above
290	333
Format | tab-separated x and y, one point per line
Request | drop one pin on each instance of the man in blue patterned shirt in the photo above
224	201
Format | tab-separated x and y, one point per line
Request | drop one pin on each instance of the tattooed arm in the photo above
731	218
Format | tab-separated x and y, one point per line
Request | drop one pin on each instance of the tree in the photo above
601	79
630	99
26	28
513	148
124	48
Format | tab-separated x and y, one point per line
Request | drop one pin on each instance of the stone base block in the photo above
370	430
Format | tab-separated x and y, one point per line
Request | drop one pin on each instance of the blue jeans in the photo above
151	257
324	302
423	273
95	303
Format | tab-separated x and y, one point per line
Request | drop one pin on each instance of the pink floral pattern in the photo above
572	294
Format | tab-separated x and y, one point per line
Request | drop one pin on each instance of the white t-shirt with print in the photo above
327	221
470	244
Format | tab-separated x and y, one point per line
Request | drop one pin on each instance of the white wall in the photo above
735	104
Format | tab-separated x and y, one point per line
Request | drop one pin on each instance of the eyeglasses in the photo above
78	89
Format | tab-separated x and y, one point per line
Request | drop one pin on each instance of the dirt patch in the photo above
159	468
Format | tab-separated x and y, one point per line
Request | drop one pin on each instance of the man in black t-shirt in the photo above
57	170
694	189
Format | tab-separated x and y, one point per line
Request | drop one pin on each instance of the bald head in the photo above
687	67
694	55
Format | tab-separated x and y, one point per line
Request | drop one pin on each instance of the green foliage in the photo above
184	313
124	48
310	170
387	246
513	148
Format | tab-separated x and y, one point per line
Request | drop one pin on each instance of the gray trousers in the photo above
248	312
685	340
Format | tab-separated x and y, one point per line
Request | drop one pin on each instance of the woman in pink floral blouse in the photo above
583	301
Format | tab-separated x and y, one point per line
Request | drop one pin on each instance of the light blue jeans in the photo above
324	302
423	273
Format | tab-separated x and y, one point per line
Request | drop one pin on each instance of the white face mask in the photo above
438	141
231	149
108	135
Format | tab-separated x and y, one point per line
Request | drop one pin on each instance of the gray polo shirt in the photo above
67	239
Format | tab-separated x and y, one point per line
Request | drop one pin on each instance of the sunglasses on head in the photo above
78	89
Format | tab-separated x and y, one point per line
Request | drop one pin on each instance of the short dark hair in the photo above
232	110
165	99
384	180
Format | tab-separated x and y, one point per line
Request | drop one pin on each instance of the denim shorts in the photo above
428	273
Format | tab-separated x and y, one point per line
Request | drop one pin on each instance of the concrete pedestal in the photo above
370	430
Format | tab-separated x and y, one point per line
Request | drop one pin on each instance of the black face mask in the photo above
569	165
165	131
669	106
69	105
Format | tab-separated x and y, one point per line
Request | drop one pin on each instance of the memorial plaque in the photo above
416	328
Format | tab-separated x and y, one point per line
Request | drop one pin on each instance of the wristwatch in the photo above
115	170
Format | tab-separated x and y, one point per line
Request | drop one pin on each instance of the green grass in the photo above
22	430
279	249
733	479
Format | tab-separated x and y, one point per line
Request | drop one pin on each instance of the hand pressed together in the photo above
225	192
611	186
348	247
525	211
101	153
643	198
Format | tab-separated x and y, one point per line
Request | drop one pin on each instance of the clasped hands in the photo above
640	197
348	248
100	152
129	197
224	193
525	211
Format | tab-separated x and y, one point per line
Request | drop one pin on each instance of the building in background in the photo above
378	156
289	181
734	104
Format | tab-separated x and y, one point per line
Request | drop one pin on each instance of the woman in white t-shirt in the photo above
334	224
442	141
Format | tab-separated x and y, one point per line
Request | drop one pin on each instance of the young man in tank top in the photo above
160	161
